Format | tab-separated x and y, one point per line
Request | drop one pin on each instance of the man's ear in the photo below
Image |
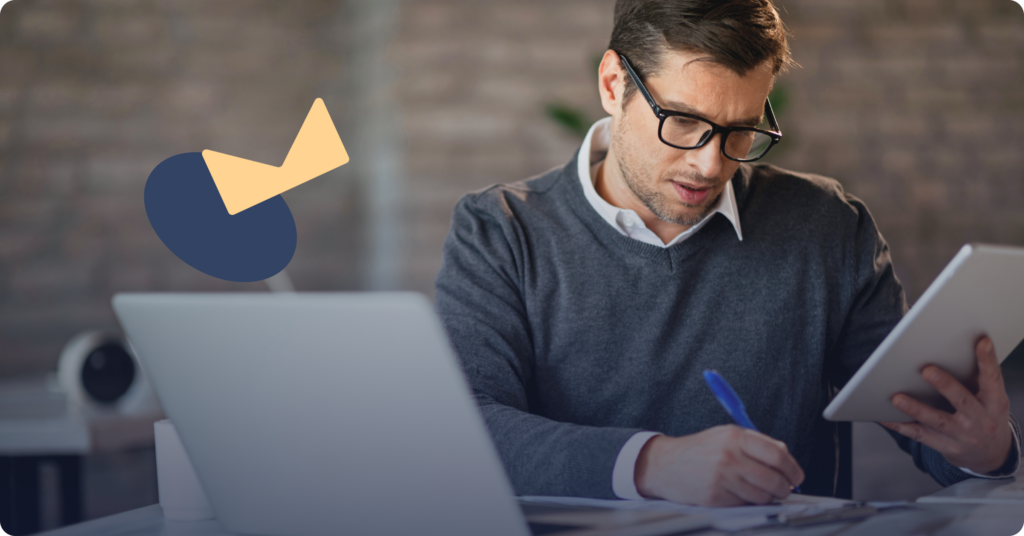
610	83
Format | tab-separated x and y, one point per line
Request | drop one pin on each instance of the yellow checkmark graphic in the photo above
244	183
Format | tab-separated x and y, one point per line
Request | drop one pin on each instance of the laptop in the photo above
308	414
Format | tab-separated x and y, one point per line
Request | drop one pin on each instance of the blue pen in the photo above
731	402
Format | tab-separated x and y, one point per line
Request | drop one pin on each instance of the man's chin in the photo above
687	214
688	218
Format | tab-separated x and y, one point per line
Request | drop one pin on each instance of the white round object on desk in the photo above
118	384
181	495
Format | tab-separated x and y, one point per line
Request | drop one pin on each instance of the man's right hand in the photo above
721	466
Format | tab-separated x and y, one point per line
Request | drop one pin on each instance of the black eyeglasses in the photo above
687	131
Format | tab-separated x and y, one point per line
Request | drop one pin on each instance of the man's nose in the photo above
709	158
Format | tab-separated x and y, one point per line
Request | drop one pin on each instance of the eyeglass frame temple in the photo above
639	85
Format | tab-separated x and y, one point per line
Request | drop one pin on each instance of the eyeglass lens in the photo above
687	132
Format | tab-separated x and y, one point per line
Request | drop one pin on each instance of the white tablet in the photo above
980	292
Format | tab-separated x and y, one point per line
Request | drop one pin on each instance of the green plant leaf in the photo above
779	97
571	119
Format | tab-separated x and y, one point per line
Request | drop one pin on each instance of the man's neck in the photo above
612	187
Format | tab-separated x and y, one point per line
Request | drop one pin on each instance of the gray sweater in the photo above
574	337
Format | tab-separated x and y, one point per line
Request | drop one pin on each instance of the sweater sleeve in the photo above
878	305
480	302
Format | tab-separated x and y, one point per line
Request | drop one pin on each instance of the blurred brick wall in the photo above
474	80
914	105
917	107
93	95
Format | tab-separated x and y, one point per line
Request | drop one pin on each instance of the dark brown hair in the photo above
738	34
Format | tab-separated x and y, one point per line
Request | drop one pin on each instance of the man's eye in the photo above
683	121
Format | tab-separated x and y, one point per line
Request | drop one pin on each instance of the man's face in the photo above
679	186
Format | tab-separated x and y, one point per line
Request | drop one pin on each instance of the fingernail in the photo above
901	403
931	375
989	348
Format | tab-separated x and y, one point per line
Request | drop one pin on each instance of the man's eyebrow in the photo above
677	106
751	121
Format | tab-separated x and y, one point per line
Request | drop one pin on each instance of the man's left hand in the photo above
977	436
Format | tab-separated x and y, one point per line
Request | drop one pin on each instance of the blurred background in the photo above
915	106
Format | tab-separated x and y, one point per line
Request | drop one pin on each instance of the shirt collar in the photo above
627	222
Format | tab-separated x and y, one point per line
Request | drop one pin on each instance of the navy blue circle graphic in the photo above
188	214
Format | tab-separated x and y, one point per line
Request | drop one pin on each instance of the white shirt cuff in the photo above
623	474
1016	441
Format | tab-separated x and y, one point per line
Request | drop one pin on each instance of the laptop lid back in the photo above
327	413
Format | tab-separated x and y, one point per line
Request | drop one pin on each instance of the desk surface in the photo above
920	518
73	434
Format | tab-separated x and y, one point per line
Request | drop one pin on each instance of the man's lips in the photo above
690	194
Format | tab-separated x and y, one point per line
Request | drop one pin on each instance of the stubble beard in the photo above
655	201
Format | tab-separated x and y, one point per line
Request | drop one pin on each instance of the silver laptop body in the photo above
316	414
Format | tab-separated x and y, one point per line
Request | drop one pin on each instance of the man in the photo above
586	302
